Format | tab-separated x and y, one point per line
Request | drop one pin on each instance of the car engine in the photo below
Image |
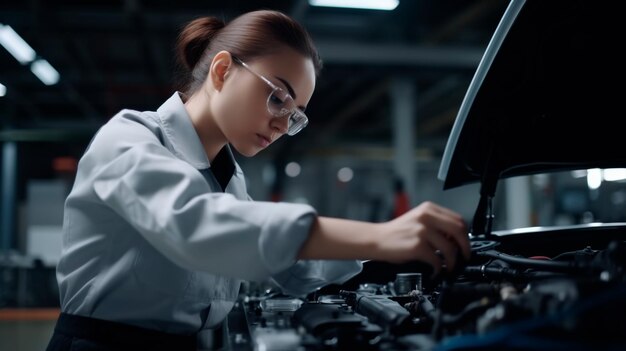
574	300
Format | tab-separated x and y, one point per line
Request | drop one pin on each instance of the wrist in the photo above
333	238
376	241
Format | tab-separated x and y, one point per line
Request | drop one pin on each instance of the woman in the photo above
159	230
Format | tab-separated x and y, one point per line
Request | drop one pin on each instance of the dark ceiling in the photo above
119	54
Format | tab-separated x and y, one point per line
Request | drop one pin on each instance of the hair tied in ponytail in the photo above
247	36
195	38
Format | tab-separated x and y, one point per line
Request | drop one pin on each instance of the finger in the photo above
448	248
450	227
462	241
429	257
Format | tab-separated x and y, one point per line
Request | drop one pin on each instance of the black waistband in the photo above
122	335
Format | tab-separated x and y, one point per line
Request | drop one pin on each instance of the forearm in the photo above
428	233
334	238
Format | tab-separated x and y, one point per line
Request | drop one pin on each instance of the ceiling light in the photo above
3	90
16	45
387	5
45	72
614	174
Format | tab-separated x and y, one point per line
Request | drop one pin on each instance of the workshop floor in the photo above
26	330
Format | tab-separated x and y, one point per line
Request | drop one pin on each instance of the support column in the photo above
518	202
403	94
7	216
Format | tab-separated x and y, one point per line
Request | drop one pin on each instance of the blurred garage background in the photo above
384	105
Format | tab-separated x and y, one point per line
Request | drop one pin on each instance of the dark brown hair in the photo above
250	35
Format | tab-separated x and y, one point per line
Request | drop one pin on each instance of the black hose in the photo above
565	267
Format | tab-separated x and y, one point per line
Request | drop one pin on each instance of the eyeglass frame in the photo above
289	112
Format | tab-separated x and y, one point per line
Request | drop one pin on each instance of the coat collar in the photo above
182	135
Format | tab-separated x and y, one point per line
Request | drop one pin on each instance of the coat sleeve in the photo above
171	205
306	276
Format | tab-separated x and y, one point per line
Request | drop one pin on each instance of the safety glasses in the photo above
280	103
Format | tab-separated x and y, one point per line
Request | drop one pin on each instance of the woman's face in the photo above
240	108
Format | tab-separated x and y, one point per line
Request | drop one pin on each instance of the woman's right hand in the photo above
428	233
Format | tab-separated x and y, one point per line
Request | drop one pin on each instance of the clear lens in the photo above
297	122
278	103
281	104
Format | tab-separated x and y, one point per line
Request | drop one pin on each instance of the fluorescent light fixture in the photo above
45	72
387	5
16	45
3	90
614	174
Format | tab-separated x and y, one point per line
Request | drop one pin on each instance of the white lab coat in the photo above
151	240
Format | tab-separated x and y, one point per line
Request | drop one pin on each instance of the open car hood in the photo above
546	96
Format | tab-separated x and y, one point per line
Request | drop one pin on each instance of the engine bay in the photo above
573	300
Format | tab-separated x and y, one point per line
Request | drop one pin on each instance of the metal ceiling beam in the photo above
474	13
298	9
21	101
337	52
441	121
44	26
49	135
153	61
86	57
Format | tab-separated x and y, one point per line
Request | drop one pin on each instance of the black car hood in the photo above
546	96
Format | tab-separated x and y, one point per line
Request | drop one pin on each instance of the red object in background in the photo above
275	197
401	203
65	164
